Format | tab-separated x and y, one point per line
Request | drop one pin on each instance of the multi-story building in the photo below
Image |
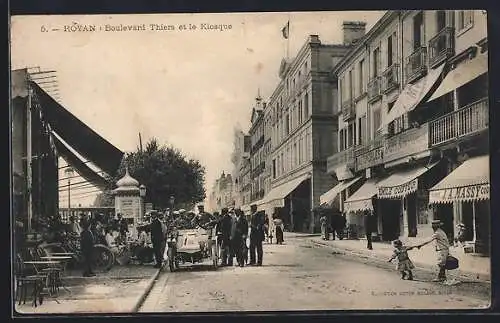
241	152
257	157
414	104
222	195
301	120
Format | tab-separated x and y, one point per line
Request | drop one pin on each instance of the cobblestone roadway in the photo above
297	276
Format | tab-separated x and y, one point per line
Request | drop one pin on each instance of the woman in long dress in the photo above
278	224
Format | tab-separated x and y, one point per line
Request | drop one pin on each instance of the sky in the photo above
188	88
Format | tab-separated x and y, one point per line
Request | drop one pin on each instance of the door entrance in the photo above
444	213
391	219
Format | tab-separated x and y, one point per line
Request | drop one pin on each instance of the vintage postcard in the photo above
250	162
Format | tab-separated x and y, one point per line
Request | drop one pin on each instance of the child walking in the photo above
404	264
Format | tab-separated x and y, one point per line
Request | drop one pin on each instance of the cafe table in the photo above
59	281
51	276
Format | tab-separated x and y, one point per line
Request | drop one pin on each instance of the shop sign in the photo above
398	191
468	193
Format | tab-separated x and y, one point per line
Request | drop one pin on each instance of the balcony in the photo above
457	125
390	78
407	143
344	157
370	154
348	111
441	46
416	65
374	89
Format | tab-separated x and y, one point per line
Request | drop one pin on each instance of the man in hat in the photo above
256	235
239	231
157	239
204	219
86	246
442	246
225	233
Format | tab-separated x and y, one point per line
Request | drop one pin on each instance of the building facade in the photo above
413	95
222	194
241	153
257	153
301	123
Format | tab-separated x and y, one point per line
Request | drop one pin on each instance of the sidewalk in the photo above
118	291
472	267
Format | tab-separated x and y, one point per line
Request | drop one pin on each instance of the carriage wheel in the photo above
103	258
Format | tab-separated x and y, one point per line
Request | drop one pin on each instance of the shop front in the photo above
360	204
291	202
403	200
468	186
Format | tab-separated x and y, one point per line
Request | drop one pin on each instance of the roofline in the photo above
386	18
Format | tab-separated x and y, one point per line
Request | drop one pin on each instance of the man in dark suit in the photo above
239	231
225	232
369	228
157	239
87	245
256	235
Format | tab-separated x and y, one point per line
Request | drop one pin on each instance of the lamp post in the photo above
172	201
69	172
142	193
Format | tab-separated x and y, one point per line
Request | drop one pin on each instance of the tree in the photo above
104	199
165	172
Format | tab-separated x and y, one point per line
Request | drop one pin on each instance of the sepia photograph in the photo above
249	162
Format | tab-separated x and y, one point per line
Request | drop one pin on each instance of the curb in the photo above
425	267
146	292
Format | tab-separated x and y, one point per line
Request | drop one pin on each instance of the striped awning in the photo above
402	183
331	195
468	182
361	200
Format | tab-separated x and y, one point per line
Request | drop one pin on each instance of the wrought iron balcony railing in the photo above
416	64
374	89
441	46
391	78
459	124
344	157
348	111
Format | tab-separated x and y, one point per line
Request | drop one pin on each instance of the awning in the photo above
401	184
468	182
462	74
413	94
78	135
81	168
343	173
276	195
330	196
361	200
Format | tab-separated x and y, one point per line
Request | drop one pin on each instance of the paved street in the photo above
298	276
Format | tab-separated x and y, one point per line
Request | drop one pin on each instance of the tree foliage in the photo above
165	172
104	199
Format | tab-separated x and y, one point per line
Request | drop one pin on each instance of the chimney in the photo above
314	39
353	31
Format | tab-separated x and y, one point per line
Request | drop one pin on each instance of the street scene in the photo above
339	163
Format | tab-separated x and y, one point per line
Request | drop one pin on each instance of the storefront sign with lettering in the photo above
468	193
398	191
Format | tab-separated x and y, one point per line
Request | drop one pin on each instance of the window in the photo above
361	77
440	20
295	155
350	90
418	30
350	135
362	129
376	62
306	105
300	113
341	140
465	19
287	124
389	51
400	124
377	119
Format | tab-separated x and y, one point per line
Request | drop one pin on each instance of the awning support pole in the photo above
29	169
474	224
